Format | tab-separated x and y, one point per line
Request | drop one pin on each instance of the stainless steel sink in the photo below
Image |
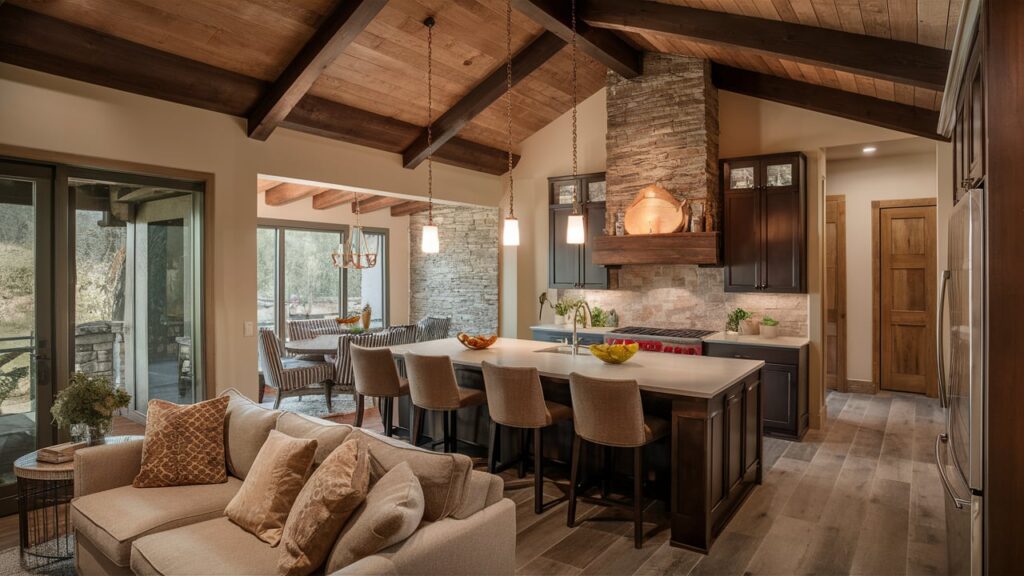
564	349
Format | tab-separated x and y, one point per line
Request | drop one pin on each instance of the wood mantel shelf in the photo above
676	248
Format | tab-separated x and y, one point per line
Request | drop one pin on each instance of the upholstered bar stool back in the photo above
608	412
376	376
432	386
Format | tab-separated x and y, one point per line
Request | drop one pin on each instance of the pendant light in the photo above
575	230
430	243
510	236
358	252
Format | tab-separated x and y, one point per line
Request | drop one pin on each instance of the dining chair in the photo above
291	376
433	328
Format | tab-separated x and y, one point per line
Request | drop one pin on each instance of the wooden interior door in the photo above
906	267
835	293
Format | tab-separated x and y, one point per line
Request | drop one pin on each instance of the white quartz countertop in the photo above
778	342
673	374
568	328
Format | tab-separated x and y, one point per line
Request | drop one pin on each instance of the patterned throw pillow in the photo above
184	445
327	500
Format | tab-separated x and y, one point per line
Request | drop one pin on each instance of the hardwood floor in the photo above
861	497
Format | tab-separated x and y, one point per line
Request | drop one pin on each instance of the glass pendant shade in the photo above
575	232
430	244
511	234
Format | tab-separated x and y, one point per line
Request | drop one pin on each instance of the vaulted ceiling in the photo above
355	70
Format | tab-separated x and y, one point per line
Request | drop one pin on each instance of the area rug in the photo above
316	405
10	565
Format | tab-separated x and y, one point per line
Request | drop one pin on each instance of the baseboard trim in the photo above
860	386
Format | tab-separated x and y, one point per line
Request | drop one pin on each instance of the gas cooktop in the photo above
694	333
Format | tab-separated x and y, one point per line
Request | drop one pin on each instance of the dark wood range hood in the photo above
675	248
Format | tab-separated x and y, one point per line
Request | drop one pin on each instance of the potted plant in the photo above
89	402
769	327
734	322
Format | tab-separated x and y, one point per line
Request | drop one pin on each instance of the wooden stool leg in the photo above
524	440
417	424
327	394
277	399
359	409
454	415
573	472
606	461
384	404
263	388
492	448
447	431
538	470
638	497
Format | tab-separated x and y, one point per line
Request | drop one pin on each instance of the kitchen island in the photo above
712	459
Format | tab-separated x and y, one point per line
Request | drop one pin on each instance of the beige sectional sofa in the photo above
468	526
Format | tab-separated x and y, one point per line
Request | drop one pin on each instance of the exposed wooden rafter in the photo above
369	204
409	207
51	45
897	61
331	198
875	111
484	94
339	29
287	192
262	184
602	45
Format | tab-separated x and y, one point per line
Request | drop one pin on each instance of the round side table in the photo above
44	512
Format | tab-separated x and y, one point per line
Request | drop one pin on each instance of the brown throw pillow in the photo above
184	444
330	496
392	512
262	503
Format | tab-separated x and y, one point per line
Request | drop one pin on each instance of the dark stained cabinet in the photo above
969	134
571	265
765	223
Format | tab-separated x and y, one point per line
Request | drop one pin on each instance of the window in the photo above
296	280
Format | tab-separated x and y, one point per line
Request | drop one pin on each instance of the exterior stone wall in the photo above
663	128
460	281
100	350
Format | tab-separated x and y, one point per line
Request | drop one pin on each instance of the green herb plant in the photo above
90	401
732	323
598	317
769	321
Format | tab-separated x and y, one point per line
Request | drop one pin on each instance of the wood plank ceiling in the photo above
277	193
381	69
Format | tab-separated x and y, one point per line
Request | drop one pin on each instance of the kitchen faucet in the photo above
575	311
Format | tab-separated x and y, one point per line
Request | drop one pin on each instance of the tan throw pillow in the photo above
392	512
330	496
328	434
184	445
245	430
262	504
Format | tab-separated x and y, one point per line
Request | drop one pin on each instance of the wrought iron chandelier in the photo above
357	251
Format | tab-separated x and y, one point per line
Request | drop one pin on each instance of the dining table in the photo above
319	346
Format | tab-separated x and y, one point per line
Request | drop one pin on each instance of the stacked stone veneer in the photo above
460	281
663	128
100	350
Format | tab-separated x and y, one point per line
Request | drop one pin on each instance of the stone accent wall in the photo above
460	281
100	350
663	129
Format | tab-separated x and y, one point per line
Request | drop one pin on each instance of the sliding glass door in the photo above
26	298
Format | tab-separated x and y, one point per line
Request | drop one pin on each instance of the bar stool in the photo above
376	376
610	413
515	399
433	386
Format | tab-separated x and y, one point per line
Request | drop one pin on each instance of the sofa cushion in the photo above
184	444
261	506
392	512
212	548
442	477
327	500
245	431
113	519
328	435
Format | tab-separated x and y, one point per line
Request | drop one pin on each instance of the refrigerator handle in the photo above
939	354
958	502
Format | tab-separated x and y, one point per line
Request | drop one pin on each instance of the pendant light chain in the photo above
508	105
430	120
575	154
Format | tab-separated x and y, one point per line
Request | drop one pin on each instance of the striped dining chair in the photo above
433	328
292	376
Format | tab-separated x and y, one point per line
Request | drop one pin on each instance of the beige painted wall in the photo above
864	180
49	113
398	236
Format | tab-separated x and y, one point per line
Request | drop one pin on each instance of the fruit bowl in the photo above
614	353
476	342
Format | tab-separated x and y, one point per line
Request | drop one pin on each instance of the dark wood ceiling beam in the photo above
493	87
331	198
287	192
50	45
343	24
897	61
408	208
874	111
369	204
602	45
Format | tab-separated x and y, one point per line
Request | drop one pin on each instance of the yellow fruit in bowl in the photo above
614	353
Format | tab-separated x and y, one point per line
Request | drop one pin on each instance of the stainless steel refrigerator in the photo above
960	449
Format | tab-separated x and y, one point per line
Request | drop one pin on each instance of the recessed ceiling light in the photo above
870	149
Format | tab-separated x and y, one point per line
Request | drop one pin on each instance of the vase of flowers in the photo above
88	403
